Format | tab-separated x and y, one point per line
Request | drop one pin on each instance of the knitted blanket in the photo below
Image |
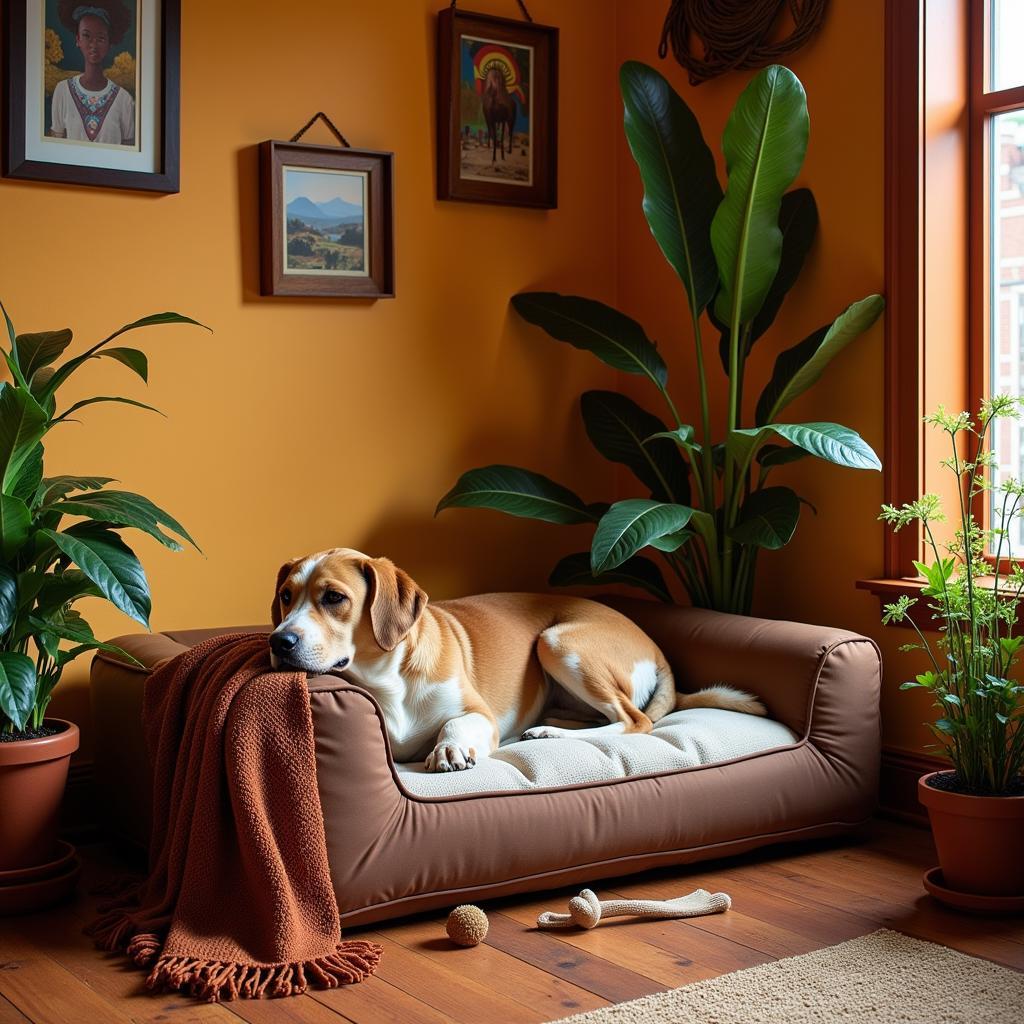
238	902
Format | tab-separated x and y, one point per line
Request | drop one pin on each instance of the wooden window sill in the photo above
888	590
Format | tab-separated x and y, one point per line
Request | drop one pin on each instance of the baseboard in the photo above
898	785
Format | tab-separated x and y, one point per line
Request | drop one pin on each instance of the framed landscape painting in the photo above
497	123
92	92
326	223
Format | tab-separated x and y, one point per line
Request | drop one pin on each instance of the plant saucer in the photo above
972	902
63	854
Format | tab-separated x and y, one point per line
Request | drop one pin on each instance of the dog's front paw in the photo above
543	732
450	757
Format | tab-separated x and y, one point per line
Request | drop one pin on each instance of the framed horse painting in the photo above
497	124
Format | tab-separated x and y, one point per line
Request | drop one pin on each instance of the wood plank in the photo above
445	989
10	1014
46	992
533	987
547	951
375	1001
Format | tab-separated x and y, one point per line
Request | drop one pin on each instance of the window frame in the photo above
983	105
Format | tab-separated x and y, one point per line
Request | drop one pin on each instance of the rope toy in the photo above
467	925
735	33
586	910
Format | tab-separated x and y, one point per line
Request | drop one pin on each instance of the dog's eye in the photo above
334	597
286	597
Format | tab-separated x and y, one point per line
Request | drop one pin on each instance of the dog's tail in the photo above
728	698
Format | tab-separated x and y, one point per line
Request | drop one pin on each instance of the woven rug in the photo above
882	978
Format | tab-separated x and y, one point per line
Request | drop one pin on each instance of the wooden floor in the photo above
785	901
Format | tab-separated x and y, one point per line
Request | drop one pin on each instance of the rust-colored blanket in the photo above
239	900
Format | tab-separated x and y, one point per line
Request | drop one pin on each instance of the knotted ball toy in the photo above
586	910
467	925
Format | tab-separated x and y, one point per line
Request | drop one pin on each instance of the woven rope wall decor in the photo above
735	33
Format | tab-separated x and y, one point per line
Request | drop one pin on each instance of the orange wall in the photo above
842	70
303	424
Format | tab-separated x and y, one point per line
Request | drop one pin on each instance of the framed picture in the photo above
92	92
326	221
497	123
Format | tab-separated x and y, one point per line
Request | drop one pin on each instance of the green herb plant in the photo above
60	536
973	605
709	508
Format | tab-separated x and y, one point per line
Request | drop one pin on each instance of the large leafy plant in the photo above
710	509
60	536
973	605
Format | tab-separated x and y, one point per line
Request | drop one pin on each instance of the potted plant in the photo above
60	541
710	509
976	808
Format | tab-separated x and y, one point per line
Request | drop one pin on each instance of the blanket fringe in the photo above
216	980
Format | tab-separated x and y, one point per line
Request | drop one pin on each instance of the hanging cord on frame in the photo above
735	33
522	7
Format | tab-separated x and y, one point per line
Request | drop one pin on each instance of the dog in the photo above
456	678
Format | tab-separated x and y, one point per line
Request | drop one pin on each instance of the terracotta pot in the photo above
32	778
980	839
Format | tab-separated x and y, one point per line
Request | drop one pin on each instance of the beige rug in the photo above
882	978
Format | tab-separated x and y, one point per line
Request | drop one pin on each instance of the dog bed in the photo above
684	739
809	770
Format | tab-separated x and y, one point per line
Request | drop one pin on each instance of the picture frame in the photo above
497	84
60	125
326	221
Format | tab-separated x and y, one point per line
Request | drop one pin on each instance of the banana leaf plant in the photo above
60	536
709	509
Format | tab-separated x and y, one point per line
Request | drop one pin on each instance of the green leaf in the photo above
594	327
621	430
672	541
58	590
111	565
768	518
22	425
799	367
829	441
17	687
15	525
681	188
105	398
26	483
574	571
125	509
681	436
65	371
517	492
11	358
55	487
798	222
772	455
631	525
38	350
764	144
71	626
133	358
8	598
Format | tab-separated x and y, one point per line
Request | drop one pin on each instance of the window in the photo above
996	216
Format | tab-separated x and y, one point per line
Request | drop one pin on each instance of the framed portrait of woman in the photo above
92	92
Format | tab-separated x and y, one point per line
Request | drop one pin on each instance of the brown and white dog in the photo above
456	678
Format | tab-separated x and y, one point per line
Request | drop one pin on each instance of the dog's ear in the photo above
395	600
282	574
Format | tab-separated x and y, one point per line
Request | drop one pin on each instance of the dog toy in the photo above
586	910
467	925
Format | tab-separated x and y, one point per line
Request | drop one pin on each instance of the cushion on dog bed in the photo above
683	739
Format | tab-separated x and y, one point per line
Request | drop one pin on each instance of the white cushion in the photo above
683	739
